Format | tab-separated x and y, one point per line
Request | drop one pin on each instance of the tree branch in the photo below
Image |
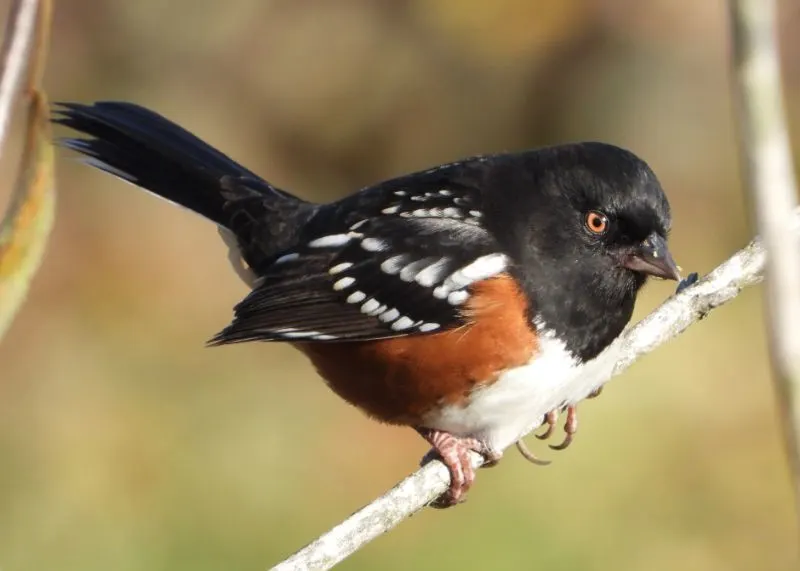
19	36
743	269
769	171
26	225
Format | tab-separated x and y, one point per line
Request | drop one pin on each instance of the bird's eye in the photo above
596	222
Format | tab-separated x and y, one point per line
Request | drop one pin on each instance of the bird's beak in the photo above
652	257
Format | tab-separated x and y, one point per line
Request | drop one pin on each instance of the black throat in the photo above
586	316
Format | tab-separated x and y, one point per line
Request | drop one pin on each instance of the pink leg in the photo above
454	453
570	427
550	420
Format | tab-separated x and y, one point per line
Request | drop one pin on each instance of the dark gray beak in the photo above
652	257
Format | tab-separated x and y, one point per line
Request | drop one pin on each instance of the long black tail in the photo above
144	148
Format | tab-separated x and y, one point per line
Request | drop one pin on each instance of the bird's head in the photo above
591	212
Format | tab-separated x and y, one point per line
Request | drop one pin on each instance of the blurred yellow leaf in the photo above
26	225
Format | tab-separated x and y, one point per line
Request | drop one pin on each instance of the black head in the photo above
587	224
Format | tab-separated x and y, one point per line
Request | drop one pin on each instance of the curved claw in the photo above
454	453
570	427
550	420
567	441
530	456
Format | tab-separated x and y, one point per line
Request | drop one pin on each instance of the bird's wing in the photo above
383	277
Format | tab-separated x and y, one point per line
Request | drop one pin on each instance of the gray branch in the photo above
773	191
19	34
743	269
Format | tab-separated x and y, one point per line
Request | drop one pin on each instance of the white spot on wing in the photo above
377	311
485	267
370	305
432	274
287	258
394	264
344	283
408	273
356	297
457	297
402	324
425	327
390	210
390	315
290	333
338	268
374	245
330	241
480	269
441	292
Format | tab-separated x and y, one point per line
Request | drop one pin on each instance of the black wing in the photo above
381	277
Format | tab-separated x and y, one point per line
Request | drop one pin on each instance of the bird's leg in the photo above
453	451
550	419
570	427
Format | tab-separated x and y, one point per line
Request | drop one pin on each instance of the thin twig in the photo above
412	494
17	41
770	176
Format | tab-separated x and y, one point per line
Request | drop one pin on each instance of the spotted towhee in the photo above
447	300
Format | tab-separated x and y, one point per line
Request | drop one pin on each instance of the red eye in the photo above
596	222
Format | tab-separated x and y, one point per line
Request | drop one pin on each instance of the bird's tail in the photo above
142	147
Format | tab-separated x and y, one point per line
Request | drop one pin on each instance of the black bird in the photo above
452	300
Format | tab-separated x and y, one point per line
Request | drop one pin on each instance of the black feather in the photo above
150	151
299	296
154	153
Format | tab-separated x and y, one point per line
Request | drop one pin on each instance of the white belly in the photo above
502	412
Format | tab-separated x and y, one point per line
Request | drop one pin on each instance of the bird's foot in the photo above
551	419
570	428
454	451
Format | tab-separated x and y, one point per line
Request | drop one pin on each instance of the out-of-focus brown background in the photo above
126	444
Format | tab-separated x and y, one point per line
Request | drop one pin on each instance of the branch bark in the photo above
19	37
768	169
674	316
26	225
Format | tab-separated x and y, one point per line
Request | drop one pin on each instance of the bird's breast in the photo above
410	380
499	413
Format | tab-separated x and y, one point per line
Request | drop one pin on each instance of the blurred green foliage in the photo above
125	444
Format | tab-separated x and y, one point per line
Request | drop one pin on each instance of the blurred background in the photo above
126	444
